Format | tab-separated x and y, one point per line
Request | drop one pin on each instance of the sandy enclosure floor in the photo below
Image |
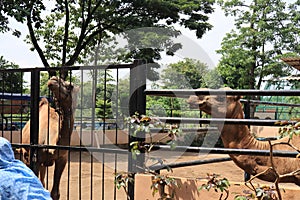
83	180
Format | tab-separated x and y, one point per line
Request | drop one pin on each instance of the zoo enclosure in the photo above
110	154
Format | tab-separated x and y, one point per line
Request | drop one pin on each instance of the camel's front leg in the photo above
60	164
42	170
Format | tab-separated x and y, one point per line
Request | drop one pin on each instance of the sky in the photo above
17	51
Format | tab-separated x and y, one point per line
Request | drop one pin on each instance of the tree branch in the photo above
34	40
80	43
64	73
66	35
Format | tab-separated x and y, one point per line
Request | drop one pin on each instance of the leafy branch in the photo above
213	182
144	124
122	180
261	192
158	185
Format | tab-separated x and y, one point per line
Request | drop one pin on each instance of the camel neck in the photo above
66	120
237	136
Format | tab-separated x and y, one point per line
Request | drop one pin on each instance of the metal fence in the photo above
214	121
98	148
100	144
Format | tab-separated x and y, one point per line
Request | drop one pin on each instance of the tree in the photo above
68	33
148	43
261	36
11	82
186	74
104	92
44	77
104	110
121	99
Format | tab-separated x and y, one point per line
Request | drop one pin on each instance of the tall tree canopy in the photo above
65	34
265	30
186	74
11	82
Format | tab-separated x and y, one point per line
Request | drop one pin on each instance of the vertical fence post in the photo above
137	103
34	118
247	112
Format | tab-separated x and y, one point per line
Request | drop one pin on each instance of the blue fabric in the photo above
17	181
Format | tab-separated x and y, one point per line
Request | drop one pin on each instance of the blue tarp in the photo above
17	181
18	96
14	96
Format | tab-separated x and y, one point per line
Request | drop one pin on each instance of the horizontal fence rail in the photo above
200	129
74	148
187	92
158	167
257	102
259	122
276	153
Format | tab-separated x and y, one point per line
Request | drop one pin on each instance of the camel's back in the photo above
283	143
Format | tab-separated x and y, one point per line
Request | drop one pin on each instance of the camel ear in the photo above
43	101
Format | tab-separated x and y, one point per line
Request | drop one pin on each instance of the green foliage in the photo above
213	182
262	35
144	124
10	82
104	109
260	193
147	44
104	91
213	79
158	185
135	149
44	77
165	106
100	97
293	111
289	129
122	98
187	74
69	33
122	180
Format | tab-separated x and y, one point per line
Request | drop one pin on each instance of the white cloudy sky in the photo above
17	51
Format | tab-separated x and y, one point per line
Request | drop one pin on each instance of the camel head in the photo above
219	106
65	93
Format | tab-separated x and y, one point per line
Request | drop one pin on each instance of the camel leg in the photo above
60	164
42	170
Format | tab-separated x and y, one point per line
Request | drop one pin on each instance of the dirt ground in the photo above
77	182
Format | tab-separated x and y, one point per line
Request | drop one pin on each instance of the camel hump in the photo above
235	97
43	101
226	88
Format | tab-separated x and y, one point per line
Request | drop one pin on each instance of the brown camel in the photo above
58	132
238	136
